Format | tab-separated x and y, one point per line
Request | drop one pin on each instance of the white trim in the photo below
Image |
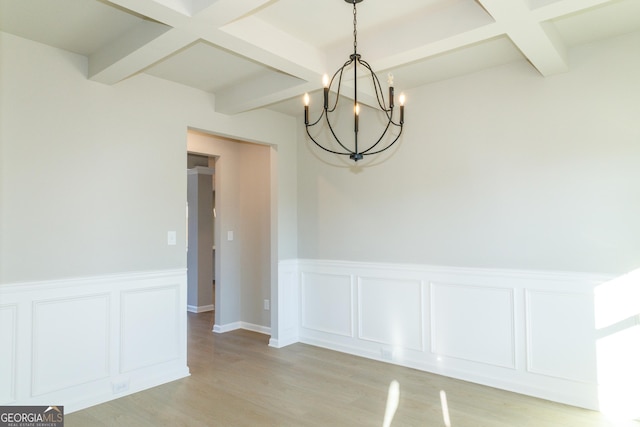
200	309
275	343
371	267
221	329
201	170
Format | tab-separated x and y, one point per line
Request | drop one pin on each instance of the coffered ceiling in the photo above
267	53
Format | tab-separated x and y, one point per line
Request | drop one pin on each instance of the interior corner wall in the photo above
503	168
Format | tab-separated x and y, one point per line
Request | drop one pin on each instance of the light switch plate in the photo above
171	238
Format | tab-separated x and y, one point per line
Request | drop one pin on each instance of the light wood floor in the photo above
237	380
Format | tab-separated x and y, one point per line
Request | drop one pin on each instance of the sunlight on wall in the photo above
617	317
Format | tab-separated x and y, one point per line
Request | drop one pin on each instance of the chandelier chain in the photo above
355	29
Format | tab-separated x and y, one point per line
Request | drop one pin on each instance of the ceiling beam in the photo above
297	63
148	43
424	51
537	42
152	41
276	49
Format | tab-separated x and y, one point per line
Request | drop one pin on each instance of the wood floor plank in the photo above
237	380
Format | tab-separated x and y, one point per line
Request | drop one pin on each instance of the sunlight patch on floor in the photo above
445	409
393	397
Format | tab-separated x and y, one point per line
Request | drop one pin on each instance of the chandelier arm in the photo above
378	88
385	148
335	104
316	122
379	139
326	149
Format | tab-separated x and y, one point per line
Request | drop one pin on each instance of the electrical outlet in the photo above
267	304
120	386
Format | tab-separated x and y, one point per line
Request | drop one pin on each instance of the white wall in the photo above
502	168
93	176
255	232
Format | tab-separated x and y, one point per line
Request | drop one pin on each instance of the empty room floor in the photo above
238	380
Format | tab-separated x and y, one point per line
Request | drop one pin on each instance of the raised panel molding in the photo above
8	355
390	312
561	335
149	327
473	323
327	303
69	340
531	332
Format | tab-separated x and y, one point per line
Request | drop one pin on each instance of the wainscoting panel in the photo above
150	327
390	312
327	303
473	323
555	337
80	342
70	342
525	331
8	355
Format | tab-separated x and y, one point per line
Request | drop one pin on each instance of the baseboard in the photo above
280	343
221	329
200	309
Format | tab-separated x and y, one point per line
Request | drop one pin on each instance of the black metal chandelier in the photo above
386	138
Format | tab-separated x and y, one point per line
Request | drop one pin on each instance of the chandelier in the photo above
387	138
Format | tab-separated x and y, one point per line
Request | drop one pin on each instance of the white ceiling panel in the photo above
607	20
206	67
79	26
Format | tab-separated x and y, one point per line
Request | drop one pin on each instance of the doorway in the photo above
245	263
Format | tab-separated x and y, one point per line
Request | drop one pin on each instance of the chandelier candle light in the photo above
356	153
